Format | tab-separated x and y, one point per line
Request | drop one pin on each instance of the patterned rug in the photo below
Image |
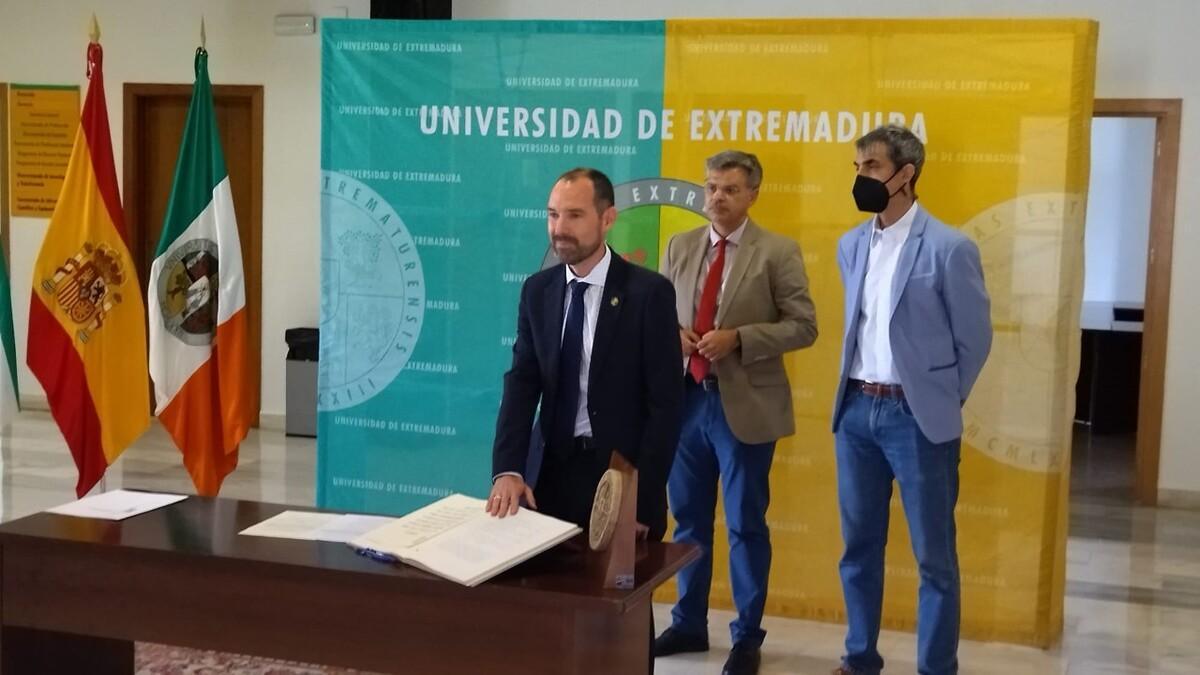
156	659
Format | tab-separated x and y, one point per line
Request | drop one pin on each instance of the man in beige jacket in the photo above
743	302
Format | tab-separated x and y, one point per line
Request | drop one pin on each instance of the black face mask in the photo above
871	194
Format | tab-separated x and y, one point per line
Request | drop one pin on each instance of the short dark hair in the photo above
602	188
903	147
736	159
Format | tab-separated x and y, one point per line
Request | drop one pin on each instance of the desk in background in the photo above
1110	366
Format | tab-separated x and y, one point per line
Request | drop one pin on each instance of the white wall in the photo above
1117	233
154	41
1147	50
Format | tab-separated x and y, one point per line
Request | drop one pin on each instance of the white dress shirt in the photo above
591	312
873	358
730	251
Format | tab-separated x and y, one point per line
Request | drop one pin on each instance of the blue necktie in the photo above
569	360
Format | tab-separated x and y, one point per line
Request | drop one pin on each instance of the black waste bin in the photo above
300	386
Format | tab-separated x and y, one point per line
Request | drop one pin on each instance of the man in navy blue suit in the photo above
597	345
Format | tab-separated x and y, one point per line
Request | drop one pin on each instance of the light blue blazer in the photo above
941	328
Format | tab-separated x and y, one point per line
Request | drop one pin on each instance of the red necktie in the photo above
707	311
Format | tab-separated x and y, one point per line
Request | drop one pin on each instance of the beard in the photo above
571	252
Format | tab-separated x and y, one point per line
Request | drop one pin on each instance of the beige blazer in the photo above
766	299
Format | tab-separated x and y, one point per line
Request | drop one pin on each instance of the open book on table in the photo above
457	539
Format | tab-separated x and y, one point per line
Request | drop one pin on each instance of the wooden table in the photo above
76	593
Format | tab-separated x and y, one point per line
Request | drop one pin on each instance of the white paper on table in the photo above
424	524
456	538
291	525
117	505
484	546
313	526
350	526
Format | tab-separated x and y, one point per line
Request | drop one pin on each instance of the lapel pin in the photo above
614	301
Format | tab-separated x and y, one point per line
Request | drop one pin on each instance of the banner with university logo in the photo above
440	141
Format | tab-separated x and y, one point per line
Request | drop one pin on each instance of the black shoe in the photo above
674	642
743	660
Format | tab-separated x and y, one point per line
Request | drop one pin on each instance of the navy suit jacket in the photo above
635	381
941	328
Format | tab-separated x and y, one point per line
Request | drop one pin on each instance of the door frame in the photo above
134	93
5	453
1167	113
4	177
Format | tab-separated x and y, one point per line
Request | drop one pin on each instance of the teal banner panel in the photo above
439	145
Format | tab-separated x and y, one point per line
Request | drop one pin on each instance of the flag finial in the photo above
203	38
94	34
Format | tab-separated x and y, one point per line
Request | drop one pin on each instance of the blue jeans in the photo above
709	451
878	440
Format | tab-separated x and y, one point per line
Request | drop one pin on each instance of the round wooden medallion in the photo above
605	508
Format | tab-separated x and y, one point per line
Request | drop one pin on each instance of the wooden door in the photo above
154	119
1152	389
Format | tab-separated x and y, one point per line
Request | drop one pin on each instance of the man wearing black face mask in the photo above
917	333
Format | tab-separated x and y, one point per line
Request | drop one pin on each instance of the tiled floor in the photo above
1133	574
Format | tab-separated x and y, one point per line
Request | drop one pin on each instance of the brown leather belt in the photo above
878	390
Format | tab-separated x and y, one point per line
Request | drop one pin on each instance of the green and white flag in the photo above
197	305
10	398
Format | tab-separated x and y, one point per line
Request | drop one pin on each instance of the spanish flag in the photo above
198	305
87	335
